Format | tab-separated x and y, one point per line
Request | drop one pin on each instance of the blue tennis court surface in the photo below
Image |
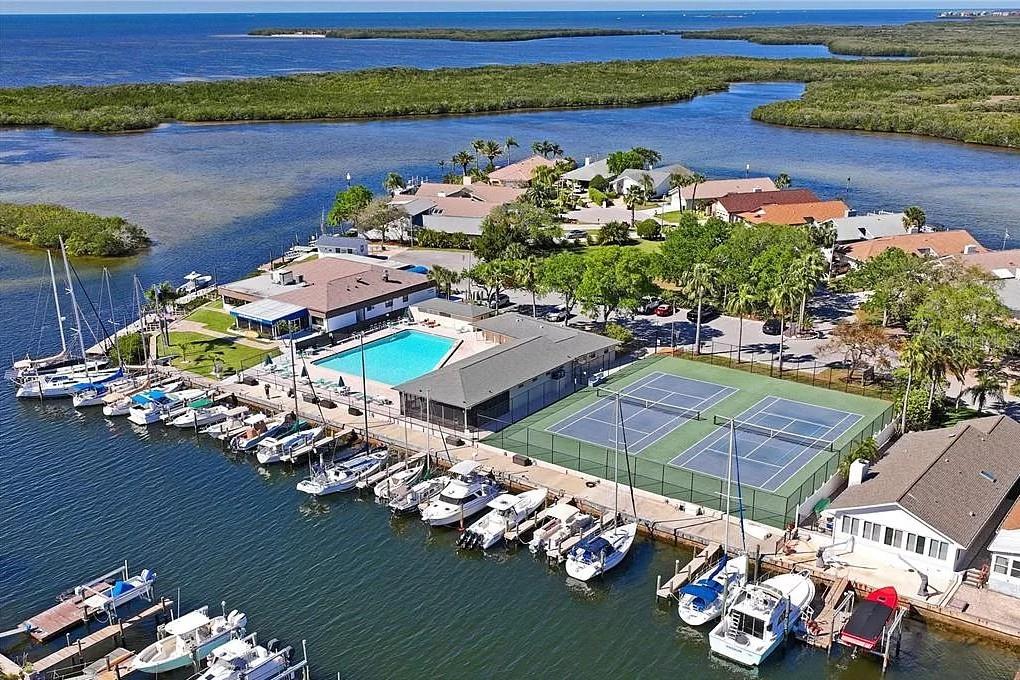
652	408
791	434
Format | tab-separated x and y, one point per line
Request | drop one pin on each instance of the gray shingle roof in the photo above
936	476
536	348
586	173
453	308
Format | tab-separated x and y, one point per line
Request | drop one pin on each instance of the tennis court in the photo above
773	440
651	407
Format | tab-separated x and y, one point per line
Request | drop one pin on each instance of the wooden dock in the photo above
111	666
830	620
60	617
682	577
79	647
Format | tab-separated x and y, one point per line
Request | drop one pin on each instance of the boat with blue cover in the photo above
703	601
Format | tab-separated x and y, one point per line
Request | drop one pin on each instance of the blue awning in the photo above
702	591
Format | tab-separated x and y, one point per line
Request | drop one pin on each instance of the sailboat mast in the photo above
616	459
56	303
729	489
74	304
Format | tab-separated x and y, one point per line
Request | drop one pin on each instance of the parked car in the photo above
664	310
576	235
499	301
708	313
771	327
557	314
648	305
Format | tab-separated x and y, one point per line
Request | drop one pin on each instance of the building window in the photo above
389	303
915	543
405	298
872	531
938	549
1000	563
846	524
1014	571
854	524
369	308
893	537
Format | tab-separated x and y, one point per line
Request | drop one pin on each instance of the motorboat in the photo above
417	495
760	618
703	600
63	385
193	282
467	493
870	618
507	511
554	521
245	659
234	425
273	450
107	597
398	483
601	552
201	413
122	405
187	639
253	436
169	404
339	477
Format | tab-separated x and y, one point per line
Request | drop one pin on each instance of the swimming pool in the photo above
394	359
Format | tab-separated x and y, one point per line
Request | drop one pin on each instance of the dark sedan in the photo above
707	314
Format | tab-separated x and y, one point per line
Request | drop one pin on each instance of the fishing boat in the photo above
418	494
245	659
398	483
107	597
193	282
156	408
339	477
467	494
703	601
204	412
556	524
507	512
273	450
870	618
760	617
188	639
253	436
122	405
603	551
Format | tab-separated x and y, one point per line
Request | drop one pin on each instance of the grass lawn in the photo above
673	216
641	244
213	317
198	353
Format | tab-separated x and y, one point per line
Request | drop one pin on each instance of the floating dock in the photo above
79	647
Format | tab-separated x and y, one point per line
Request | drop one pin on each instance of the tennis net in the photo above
771	433
662	407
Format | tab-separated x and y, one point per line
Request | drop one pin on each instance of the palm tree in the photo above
742	303
698	283
783	181
393	182
678	180
477	145
912	356
556	151
914	218
542	147
807	271
509	143
528	278
648	184
634	195
779	300
444	278
490	148
990	386
463	159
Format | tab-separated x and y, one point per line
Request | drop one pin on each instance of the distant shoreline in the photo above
455	34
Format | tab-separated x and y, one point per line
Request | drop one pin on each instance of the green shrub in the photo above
619	333
649	229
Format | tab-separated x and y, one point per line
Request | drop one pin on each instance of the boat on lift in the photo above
233	426
869	619
507	512
467	494
555	524
398	483
107	597
165	405
249	440
188	638
204	412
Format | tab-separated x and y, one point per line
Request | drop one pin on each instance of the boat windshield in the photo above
750	625
443	498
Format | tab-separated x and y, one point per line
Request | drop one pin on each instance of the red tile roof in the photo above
936	244
796	213
746	202
520	172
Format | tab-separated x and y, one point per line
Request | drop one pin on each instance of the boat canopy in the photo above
201	403
186	623
704	592
464	468
121	587
560	511
598	546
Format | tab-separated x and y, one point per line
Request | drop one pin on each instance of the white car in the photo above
557	314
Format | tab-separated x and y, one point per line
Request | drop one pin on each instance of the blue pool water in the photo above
394	359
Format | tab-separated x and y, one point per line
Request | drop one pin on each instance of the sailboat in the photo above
607	548
30	366
705	599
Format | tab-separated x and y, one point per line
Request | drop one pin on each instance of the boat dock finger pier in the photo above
681	577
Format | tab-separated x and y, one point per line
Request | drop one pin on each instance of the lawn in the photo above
213	317
640	244
198	353
673	216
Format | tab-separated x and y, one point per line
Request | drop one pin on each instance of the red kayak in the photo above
869	619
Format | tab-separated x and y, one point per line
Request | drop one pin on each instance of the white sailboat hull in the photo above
582	568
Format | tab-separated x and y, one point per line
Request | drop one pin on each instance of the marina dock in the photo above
82	645
831	618
682	577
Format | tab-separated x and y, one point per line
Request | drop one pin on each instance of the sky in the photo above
131	6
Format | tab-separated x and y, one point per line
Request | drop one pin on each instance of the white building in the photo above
937	496
1004	575
330	245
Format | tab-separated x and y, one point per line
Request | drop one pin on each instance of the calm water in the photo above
129	48
377	599
394	359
